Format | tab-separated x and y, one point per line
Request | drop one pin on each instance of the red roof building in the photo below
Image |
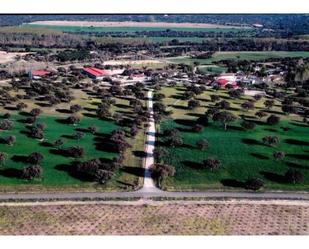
96	73
224	82
37	74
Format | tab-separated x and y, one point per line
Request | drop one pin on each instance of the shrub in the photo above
35	158
161	171
31	172
202	144
270	140
159	153
294	176
76	151
212	163
6	124
269	103
2	158
103	176
248	105
247	125
279	155
175	141
35	112
10	140
273	120
224	117
197	128
260	114
254	184
193	103
73	119
223	104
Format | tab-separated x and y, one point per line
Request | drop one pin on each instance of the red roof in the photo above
39	72
222	82
138	75
95	71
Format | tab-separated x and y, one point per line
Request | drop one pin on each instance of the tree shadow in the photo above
176	96
232	183
2	141
42	104
71	169
89	115
137	171
186	122
125	184
244	116
19	158
62	110
250	141
179	107
271	130
11	108
68	137
187	146
62	121
258	122
198	115
259	156
193	165
296	142
274	177
11	173
274	112
104	144
296	165
235	128
139	153
91	109
46	144
299	156
299	125
122	106
26	114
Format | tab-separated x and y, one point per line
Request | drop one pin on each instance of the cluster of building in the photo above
224	80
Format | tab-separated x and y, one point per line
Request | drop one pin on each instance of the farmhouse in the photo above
38	74
99	74
226	79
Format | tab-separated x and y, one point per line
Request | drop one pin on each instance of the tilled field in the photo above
137	218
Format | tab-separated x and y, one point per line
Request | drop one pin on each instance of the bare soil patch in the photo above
6	57
155	218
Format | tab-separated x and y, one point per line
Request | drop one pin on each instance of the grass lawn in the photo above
57	169
241	153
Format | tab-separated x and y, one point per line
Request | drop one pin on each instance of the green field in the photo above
241	152
250	55
89	29
57	168
129	29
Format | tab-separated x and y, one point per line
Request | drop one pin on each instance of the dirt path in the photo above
149	184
